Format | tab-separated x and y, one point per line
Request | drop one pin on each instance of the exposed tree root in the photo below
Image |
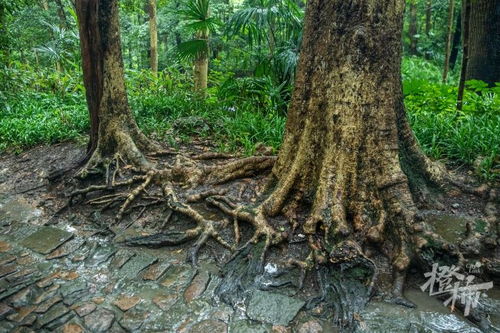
337	234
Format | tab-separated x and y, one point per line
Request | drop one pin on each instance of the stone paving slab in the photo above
136	264
46	239
273	308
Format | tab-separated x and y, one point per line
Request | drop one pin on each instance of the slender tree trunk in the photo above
428	17
4	49
44	4
113	128
153	34
484	41
61	14
348	151
201	66
412	29
466	15
457	36
449	33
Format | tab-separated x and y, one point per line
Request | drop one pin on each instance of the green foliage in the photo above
254	47
470	137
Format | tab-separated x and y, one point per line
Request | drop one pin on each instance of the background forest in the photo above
224	69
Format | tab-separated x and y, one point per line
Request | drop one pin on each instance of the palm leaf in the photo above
192	48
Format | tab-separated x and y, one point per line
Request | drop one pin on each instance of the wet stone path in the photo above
57	278
62	278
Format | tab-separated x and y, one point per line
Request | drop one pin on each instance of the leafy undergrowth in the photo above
49	107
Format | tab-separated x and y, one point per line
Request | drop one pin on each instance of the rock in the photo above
20	276
197	286
99	255
136	264
280	329
4	246
21	314
50	292
154	272
54	313
68	275
7	269
47	281
209	325
60	321
66	249
85	309
164	302
72	328
385	317
45	306
5	310
100	320
455	205
125	302
46	239
98	300
120	258
273	308
7	259
22	298
23	329
178	276
29	320
311	326
246	326
73	292
132	320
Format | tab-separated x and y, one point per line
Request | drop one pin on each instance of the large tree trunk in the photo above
113	128
484	43
457	36
466	15
153	34
348	151
449	33
412	29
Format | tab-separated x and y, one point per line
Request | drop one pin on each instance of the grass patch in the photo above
54	110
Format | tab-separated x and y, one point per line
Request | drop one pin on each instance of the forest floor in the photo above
66	268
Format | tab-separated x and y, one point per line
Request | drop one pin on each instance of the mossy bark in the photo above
484	42
113	127
348	148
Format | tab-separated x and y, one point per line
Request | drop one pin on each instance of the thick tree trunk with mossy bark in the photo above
114	132
484	42
348	152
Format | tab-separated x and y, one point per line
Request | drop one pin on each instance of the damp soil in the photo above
67	267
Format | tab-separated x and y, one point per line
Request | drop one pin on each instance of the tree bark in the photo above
412	29
457	36
451	11
153	33
428	17
466	15
201	66
484	43
60	13
348	152
113	128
